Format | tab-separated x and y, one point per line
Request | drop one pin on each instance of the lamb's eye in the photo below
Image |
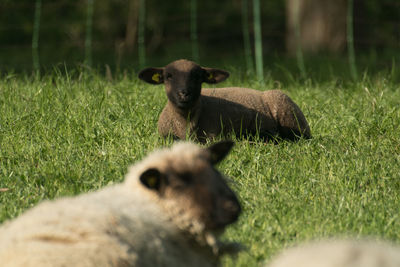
196	76
169	76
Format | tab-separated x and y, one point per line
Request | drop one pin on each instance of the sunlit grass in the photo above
63	135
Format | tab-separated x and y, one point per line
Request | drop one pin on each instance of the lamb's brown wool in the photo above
168	212
207	113
340	253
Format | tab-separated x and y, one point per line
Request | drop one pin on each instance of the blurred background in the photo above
300	36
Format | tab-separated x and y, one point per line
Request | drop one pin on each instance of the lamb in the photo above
340	253
169	211
207	113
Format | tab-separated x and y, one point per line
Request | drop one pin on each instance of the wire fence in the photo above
35	34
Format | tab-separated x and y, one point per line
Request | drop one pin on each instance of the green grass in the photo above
67	134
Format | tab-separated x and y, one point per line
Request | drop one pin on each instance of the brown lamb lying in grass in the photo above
207	113
168	212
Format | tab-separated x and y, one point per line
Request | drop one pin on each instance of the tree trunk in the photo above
316	25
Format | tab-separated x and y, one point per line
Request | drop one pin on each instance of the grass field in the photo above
66	134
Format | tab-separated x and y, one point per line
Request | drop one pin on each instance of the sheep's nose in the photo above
232	209
184	93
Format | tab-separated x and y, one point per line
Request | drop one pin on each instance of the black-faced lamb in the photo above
207	113
169	211
340	253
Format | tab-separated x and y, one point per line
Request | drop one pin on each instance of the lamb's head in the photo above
183	79
188	187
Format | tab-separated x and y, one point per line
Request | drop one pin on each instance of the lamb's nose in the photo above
184	93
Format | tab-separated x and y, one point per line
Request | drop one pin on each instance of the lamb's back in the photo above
287	114
275	111
242	110
247	97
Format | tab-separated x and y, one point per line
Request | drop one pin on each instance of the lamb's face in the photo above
193	191
183	80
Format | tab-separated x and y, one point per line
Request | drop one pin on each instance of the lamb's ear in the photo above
152	75
151	178
215	75
218	151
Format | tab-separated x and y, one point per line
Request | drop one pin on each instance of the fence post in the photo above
35	36
246	36
350	40
258	40
299	48
88	39
141	44
193	30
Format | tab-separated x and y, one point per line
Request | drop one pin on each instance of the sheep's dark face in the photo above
213	201
205	196
183	80
197	190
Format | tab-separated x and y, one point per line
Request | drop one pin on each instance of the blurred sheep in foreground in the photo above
169	211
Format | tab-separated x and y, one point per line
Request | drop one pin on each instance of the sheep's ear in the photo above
151	178
215	75
218	151
152	75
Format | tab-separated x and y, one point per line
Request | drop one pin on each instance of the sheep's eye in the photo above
182	181
186	178
169	76
197	76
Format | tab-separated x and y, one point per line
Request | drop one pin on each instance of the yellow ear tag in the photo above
152	181
156	77
210	76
